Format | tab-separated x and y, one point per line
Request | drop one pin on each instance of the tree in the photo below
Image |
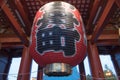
88	77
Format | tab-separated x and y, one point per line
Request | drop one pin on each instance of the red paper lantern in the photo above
58	35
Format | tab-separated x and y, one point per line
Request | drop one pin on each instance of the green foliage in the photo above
89	77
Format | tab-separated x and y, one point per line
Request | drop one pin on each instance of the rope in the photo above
15	75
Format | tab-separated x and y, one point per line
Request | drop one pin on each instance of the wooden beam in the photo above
103	20
12	45
105	37
2	2
109	32
92	14
10	40
21	16
109	37
17	28
108	43
24	17
118	3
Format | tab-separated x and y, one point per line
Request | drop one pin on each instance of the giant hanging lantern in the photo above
58	40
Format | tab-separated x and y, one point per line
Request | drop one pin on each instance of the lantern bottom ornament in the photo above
58	69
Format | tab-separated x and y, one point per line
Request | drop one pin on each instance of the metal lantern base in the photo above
58	69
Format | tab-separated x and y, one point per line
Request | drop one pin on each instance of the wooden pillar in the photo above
25	65
82	71
95	64
116	65
40	73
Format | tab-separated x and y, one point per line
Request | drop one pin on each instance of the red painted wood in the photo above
94	60
82	71
92	14
24	16
25	65
40	73
17	28
99	27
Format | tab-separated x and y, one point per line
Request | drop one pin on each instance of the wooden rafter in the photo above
2	3
118	3
92	14
17	28
23	9
24	16
11	45
108	43
104	39
103	20
107	37
9	39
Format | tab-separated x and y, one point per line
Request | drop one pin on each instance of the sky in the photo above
105	59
